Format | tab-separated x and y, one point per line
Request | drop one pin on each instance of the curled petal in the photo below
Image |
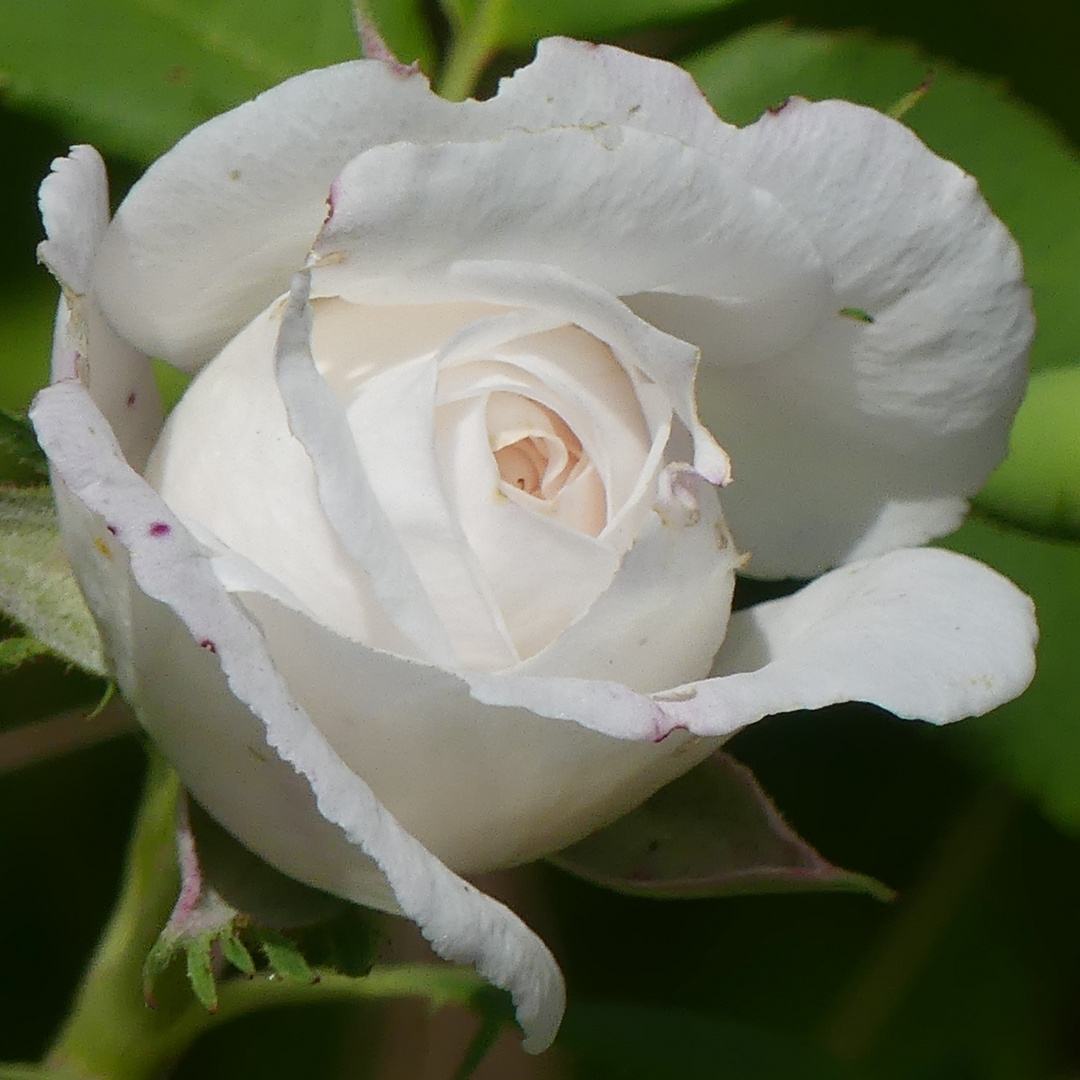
318	420
912	381
924	633
248	699
632	212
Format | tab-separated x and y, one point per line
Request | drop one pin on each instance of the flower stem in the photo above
475	42
111	1033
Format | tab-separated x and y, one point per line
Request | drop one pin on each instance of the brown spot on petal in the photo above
159	528
131	399
207	644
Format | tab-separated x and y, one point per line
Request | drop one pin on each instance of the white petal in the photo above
577	83
216	227
623	209
481	788
317	419
232	425
462	924
74	201
920	398
542	573
662	619
926	634
391	422
667	361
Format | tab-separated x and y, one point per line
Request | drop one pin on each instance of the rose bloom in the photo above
427	574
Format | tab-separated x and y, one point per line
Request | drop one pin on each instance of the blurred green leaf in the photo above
524	22
37	587
1034	742
405	29
1028	173
134	75
26	335
640	1042
1038	486
18	443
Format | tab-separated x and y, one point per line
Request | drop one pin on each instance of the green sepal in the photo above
211	927
283	955
235	951
200	972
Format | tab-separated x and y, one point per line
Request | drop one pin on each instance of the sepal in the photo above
713	832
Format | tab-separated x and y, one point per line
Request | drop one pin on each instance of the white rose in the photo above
424	569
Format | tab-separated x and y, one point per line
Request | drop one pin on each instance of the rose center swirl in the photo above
538	454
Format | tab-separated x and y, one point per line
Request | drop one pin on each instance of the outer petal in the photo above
920	398
924	633
274	159
74	202
630	211
425	745
248	716
216	227
75	206
577	83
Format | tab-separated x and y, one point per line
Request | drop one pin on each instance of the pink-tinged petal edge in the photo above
463	924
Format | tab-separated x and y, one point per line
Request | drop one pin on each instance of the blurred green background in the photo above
975	971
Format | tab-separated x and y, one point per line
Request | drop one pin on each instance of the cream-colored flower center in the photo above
538	456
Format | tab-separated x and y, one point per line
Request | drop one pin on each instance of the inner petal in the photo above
535	449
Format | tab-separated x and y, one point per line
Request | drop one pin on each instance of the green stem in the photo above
474	44
111	1034
866	1008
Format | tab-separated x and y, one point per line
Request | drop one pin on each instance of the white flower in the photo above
430	565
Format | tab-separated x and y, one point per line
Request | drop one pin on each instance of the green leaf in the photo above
25	335
194	58
712	832
1028	173
18	443
1038	486
37	586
